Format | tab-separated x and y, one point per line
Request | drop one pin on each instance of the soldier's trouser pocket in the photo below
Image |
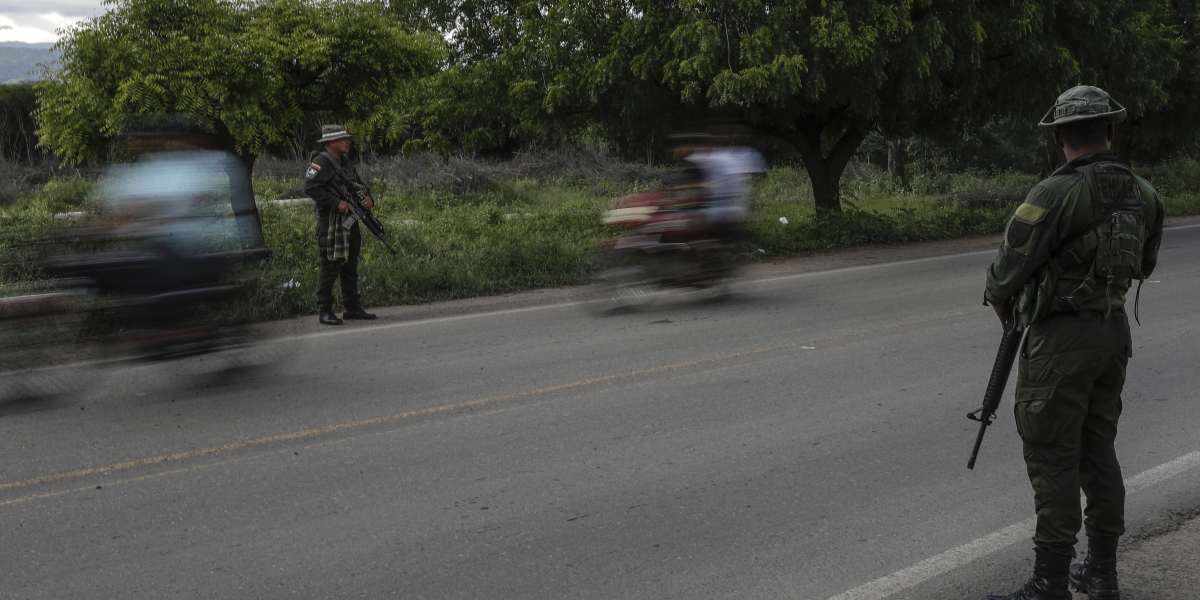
1032	410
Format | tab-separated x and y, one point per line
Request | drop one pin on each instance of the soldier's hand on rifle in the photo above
368	202
344	207
1000	312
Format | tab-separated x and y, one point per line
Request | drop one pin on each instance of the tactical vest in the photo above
1114	241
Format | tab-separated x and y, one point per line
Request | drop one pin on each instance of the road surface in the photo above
806	441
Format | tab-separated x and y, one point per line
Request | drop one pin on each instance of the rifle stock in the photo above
1010	344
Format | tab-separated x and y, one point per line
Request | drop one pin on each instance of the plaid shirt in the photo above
333	239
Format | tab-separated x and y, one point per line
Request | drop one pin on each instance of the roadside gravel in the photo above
1161	564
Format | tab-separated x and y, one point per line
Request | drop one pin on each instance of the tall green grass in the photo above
516	236
500	231
1178	183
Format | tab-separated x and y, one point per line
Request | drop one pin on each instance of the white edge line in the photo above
511	311
898	263
1162	472
995	541
415	322
932	567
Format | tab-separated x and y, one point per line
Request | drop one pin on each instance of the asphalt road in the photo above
806	441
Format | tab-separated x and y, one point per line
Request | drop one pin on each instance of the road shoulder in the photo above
840	258
1160	563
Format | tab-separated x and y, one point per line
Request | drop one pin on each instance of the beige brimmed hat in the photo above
333	133
1083	103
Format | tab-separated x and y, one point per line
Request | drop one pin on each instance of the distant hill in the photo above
18	61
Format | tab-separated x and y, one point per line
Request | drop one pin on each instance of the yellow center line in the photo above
490	412
319	431
135	479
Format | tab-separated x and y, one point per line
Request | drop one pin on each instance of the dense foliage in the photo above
819	75
252	70
968	78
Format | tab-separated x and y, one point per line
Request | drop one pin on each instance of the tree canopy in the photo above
490	75
819	75
252	70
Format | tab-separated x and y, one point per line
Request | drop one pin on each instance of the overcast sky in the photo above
36	20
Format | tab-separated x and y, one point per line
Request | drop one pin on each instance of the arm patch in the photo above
1030	213
313	169
1018	233
1019	236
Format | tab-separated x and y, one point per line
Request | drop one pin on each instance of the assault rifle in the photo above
354	197
1010	344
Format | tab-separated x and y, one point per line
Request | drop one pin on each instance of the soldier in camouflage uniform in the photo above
1070	254
339	246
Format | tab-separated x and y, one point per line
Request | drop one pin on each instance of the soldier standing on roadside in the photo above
1069	256
339	247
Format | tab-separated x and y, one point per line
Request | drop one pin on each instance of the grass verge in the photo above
500	229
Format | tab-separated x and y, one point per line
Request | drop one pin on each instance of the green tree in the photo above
251	70
1167	128
520	72
818	74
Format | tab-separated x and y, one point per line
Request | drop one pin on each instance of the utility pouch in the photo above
1036	298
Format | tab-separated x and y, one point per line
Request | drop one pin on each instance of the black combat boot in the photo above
328	318
1097	576
357	313
1049	582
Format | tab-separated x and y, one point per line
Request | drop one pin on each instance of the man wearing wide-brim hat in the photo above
339	247
1070	254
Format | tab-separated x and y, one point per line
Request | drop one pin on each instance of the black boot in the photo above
1097	576
357	313
1049	582
328	318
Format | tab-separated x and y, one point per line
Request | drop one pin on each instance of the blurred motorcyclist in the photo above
167	203
724	168
165	220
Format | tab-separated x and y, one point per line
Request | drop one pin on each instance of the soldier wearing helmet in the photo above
1070	254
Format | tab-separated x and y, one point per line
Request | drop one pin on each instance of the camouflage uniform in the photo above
340	248
1072	365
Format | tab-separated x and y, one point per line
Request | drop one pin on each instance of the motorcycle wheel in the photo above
620	284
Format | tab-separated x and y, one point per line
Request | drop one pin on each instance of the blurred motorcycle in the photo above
122	306
661	247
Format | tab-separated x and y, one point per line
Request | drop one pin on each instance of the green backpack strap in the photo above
1070	252
1073	250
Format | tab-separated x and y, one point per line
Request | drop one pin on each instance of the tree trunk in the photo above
824	170
241	198
898	159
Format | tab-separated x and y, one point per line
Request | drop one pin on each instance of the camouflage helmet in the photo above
1083	103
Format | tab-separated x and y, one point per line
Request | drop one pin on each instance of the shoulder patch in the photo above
313	169
1017	236
1030	213
1020	235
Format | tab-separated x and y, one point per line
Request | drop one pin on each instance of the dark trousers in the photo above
1071	373
344	269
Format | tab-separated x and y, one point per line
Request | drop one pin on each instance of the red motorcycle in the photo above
664	245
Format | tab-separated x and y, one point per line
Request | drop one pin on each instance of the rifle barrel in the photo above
1006	355
978	441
